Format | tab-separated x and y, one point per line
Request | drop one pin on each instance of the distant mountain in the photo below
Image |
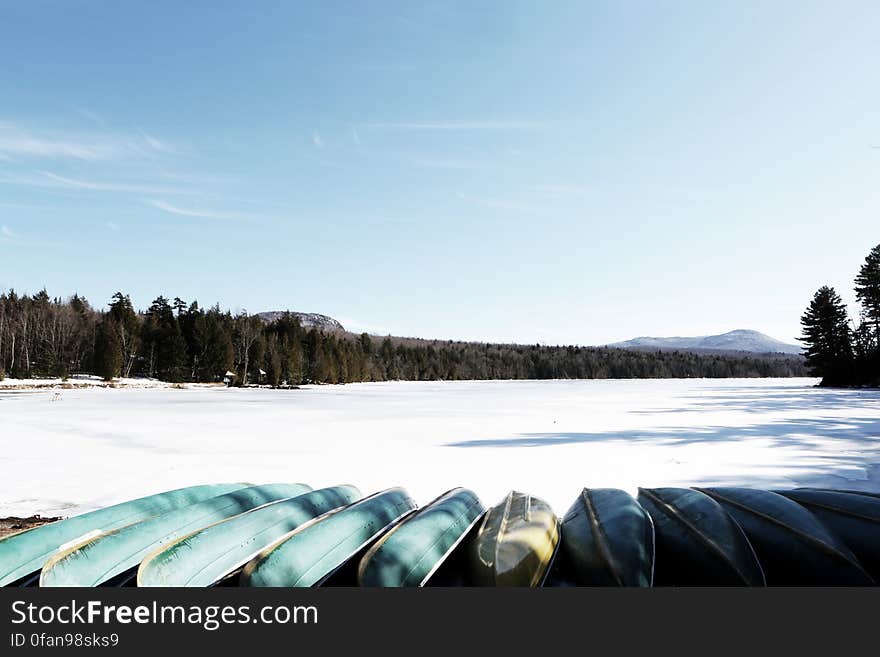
308	320
738	340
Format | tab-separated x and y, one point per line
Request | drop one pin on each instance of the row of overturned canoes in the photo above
290	535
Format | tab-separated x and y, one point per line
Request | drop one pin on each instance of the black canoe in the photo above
697	542
854	518
866	493
794	547
607	540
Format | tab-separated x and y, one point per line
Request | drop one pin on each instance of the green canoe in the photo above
607	540
697	542
854	518
515	544
25	553
794	547
308	555
101	558
409	554
208	555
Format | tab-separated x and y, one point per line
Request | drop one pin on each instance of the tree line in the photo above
177	341
844	352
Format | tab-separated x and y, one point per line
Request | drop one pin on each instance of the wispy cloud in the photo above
76	183
21	141
112	225
317	141
25	145
355	136
158	145
189	212
7	232
458	125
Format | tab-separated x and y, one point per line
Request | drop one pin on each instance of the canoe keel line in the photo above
288	535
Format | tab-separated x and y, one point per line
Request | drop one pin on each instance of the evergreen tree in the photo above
828	338
127	325
868	289
168	356
108	351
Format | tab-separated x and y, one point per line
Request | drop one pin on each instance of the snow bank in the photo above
91	381
95	447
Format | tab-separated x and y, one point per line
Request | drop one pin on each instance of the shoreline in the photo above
89	382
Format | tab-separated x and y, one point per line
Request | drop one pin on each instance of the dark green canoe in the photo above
794	547
111	554
607	540
408	554
697	542
854	518
515	544
313	552
208	555
25	553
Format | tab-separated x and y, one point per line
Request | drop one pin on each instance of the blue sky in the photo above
564	172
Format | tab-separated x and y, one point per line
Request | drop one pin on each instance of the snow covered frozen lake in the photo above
95	447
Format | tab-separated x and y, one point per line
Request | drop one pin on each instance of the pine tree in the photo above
108	350
828	338
868	289
168	357
126	323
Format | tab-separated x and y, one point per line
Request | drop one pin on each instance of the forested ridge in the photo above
178	342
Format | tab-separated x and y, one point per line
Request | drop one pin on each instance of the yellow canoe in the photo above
516	543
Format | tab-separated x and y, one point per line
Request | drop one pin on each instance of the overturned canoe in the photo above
697	542
210	554
410	553
311	553
794	547
851	491
854	518
25	553
607	540
108	555
515	544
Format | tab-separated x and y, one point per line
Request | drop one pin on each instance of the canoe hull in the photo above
209	555
312	552
853	517
516	543
697	542
25	553
793	546
109	555
607	540
411	552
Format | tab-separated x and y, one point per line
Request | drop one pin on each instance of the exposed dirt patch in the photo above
13	525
